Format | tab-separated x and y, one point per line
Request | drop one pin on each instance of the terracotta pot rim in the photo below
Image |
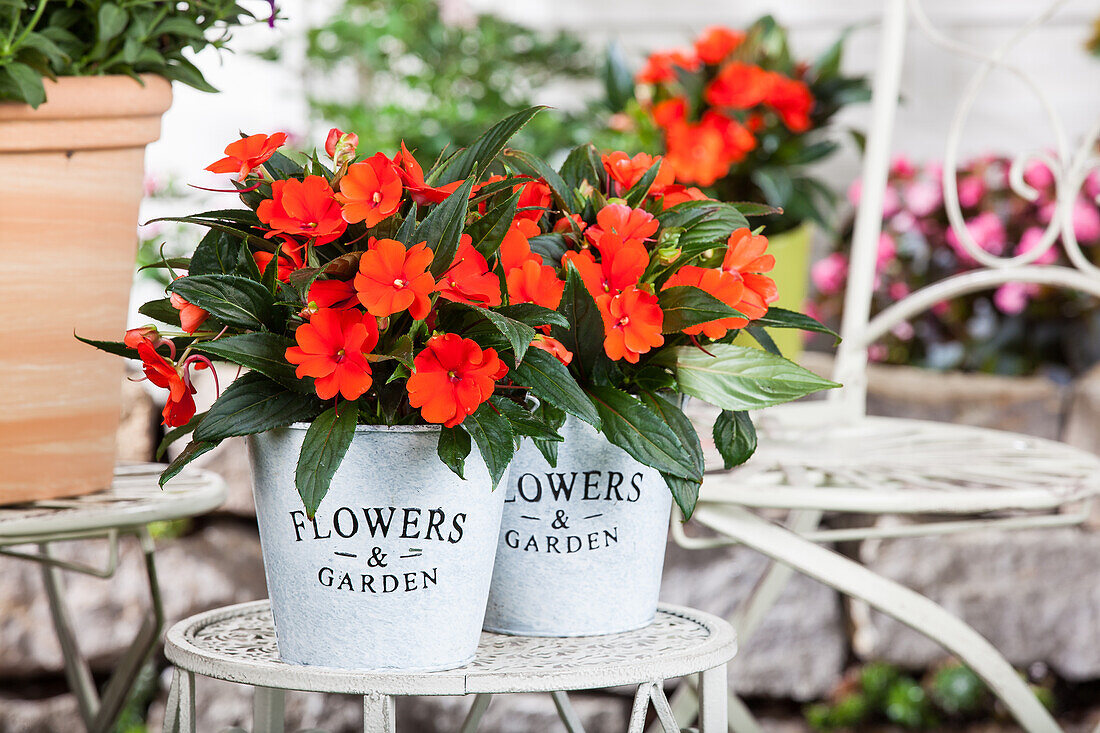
85	97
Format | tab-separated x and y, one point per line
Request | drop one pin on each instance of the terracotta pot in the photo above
70	185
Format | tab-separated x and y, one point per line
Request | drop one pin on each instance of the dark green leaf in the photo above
111	347
751	208
634	427
453	448
488	231
783	318
767	343
552	247
583	164
519	334
253	404
551	382
618	79
539	168
533	315
485	149
260	351
176	433
524	422
161	310
740	377
494	438
407	230
684	491
324	447
233	300
637	193
193	450
584	336
219	253
442	227
685	306
735	437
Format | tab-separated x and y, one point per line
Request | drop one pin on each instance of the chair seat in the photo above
900	466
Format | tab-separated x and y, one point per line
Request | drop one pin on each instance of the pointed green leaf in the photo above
488	232
783	318
685	306
735	437
584	336
494	438
634	427
193	450
740	377
253	404
442	227
260	351
233	300
326	442
485	149
453	448
550	381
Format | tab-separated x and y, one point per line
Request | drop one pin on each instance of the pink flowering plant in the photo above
1014	330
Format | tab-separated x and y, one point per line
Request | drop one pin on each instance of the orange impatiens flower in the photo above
412	175
451	377
703	152
792	100
661	67
515	248
740	86
180	407
247	153
632	323
332	348
535	283
338	294
469	280
746	258
191	316
626	171
392	278
635	225
678	194
290	259
723	285
716	43
302	208
622	263
370	191
553	347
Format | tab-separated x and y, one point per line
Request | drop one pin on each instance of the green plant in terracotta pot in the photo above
83	85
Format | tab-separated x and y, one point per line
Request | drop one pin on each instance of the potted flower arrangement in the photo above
739	116
82	88
658	280
388	383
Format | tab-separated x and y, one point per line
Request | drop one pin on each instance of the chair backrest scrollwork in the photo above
1069	165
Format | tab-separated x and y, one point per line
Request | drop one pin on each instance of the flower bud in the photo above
340	146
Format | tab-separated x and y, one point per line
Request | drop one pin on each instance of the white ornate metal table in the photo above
237	644
133	501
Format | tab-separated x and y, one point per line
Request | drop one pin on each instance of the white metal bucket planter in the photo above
393	571
582	544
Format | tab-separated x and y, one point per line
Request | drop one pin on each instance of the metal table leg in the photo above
713	694
378	714
99	715
179	712
268	710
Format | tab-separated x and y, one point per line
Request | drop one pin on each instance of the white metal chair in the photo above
937	478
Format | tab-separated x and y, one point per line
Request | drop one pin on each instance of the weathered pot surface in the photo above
393	571
581	545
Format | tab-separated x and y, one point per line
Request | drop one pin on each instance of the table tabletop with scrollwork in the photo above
238	644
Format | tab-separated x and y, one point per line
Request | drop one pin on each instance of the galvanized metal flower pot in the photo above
581	545
393	571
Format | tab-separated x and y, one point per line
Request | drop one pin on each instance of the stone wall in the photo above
1034	594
